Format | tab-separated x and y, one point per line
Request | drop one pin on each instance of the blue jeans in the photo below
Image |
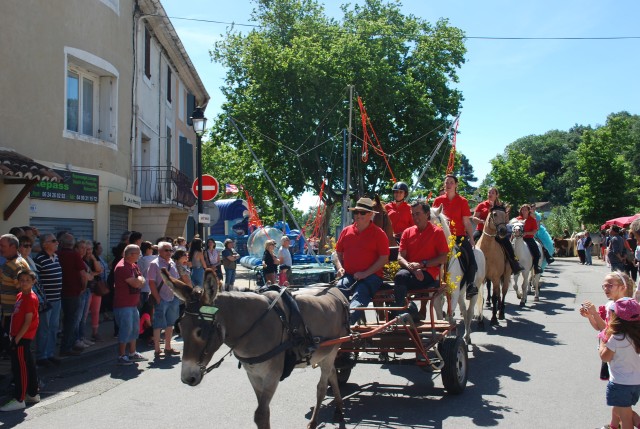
48	331
197	276
360	293
128	320
166	313
230	277
85	300
587	255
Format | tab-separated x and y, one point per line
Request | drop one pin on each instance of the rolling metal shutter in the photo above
118	223
82	229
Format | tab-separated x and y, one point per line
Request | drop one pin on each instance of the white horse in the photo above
458	296
529	277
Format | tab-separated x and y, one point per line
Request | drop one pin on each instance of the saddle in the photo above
300	345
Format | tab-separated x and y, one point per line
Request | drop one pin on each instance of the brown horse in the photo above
249	324
382	220
498	270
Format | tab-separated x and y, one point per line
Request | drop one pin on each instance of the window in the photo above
90	98
147	53
181	100
169	84
191	106
186	157
81	89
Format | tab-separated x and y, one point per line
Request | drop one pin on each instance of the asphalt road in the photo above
538	369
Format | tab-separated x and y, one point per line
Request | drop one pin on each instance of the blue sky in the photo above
512	88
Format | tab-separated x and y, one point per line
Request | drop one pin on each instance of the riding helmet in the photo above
401	186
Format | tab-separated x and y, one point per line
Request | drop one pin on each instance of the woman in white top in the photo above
212	258
284	254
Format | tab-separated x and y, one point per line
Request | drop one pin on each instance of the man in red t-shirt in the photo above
128	281
362	251
399	211
423	248
456	208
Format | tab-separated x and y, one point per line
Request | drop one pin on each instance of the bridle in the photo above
492	220
207	314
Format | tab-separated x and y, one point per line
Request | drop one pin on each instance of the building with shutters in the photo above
94	129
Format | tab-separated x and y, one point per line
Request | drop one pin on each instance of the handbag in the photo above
43	304
99	287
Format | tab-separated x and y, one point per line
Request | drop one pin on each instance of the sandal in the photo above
171	352
158	354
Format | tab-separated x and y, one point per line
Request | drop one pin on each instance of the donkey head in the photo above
201	327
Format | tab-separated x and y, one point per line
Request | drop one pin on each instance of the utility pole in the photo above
347	181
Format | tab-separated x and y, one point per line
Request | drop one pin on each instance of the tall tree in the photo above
607	187
512	175
286	88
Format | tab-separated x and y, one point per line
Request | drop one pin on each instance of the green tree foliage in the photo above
549	153
607	187
286	89
464	172
562	218
512	175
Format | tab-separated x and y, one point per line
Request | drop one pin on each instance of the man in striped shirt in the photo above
9	286
51	283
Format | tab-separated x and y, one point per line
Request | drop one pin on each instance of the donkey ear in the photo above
180	289
439	210
210	286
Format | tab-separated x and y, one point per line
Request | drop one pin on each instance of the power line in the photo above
211	21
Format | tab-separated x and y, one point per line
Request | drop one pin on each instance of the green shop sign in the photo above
76	187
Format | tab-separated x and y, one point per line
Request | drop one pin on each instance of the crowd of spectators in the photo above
76	287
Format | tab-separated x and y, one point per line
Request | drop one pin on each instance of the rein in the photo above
210	317
496	225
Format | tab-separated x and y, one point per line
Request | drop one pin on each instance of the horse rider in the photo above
423	248
530	229
399	211
362	251
480	215
456	208
542	235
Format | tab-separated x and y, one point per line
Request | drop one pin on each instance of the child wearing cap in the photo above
620	347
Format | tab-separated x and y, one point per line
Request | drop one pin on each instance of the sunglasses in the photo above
51	241
360	212
608	286
166	250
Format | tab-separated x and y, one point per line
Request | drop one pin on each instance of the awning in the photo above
18	169
13	164
622	222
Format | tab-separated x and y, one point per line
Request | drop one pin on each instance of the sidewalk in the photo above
245	280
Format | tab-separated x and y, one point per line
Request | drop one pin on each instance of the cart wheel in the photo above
343	375
454	372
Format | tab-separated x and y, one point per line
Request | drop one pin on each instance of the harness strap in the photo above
266	356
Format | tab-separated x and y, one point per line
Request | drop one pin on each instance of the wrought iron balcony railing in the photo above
163	185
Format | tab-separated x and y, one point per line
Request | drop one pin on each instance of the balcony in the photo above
163	185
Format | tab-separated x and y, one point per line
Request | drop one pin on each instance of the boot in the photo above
472	290
516	268
550	259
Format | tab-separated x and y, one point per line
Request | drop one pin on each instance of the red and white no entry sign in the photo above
210	187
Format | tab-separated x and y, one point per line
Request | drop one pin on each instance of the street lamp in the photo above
199	125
